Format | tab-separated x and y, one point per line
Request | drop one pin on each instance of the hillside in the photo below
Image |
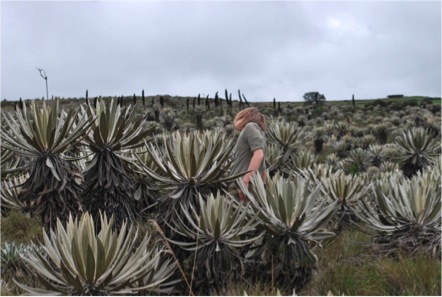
357	188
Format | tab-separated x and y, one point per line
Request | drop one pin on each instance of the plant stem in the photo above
47	93
158	228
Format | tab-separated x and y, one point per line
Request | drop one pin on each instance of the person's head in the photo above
250	115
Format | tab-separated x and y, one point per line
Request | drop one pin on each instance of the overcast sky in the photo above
267	49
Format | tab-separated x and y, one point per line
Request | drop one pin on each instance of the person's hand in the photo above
246	181
242	196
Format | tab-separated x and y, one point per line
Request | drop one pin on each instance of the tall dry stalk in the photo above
159	230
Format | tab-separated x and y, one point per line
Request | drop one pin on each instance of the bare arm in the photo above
255	162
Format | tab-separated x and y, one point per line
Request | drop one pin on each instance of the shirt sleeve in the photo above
254	137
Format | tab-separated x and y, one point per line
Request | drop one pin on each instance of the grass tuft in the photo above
347	266
19	228
411	276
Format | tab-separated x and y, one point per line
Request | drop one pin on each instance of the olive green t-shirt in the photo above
250	139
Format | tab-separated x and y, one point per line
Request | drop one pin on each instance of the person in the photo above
249	151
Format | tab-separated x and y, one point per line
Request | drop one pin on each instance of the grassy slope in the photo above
345	267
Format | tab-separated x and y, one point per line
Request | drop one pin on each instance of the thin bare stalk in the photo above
273	274
194	258
45	77
158	228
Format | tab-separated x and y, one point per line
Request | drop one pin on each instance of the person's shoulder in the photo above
252	126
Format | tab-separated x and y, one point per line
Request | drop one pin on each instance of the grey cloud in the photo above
267	49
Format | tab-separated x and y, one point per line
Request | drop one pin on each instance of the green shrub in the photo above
19	228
